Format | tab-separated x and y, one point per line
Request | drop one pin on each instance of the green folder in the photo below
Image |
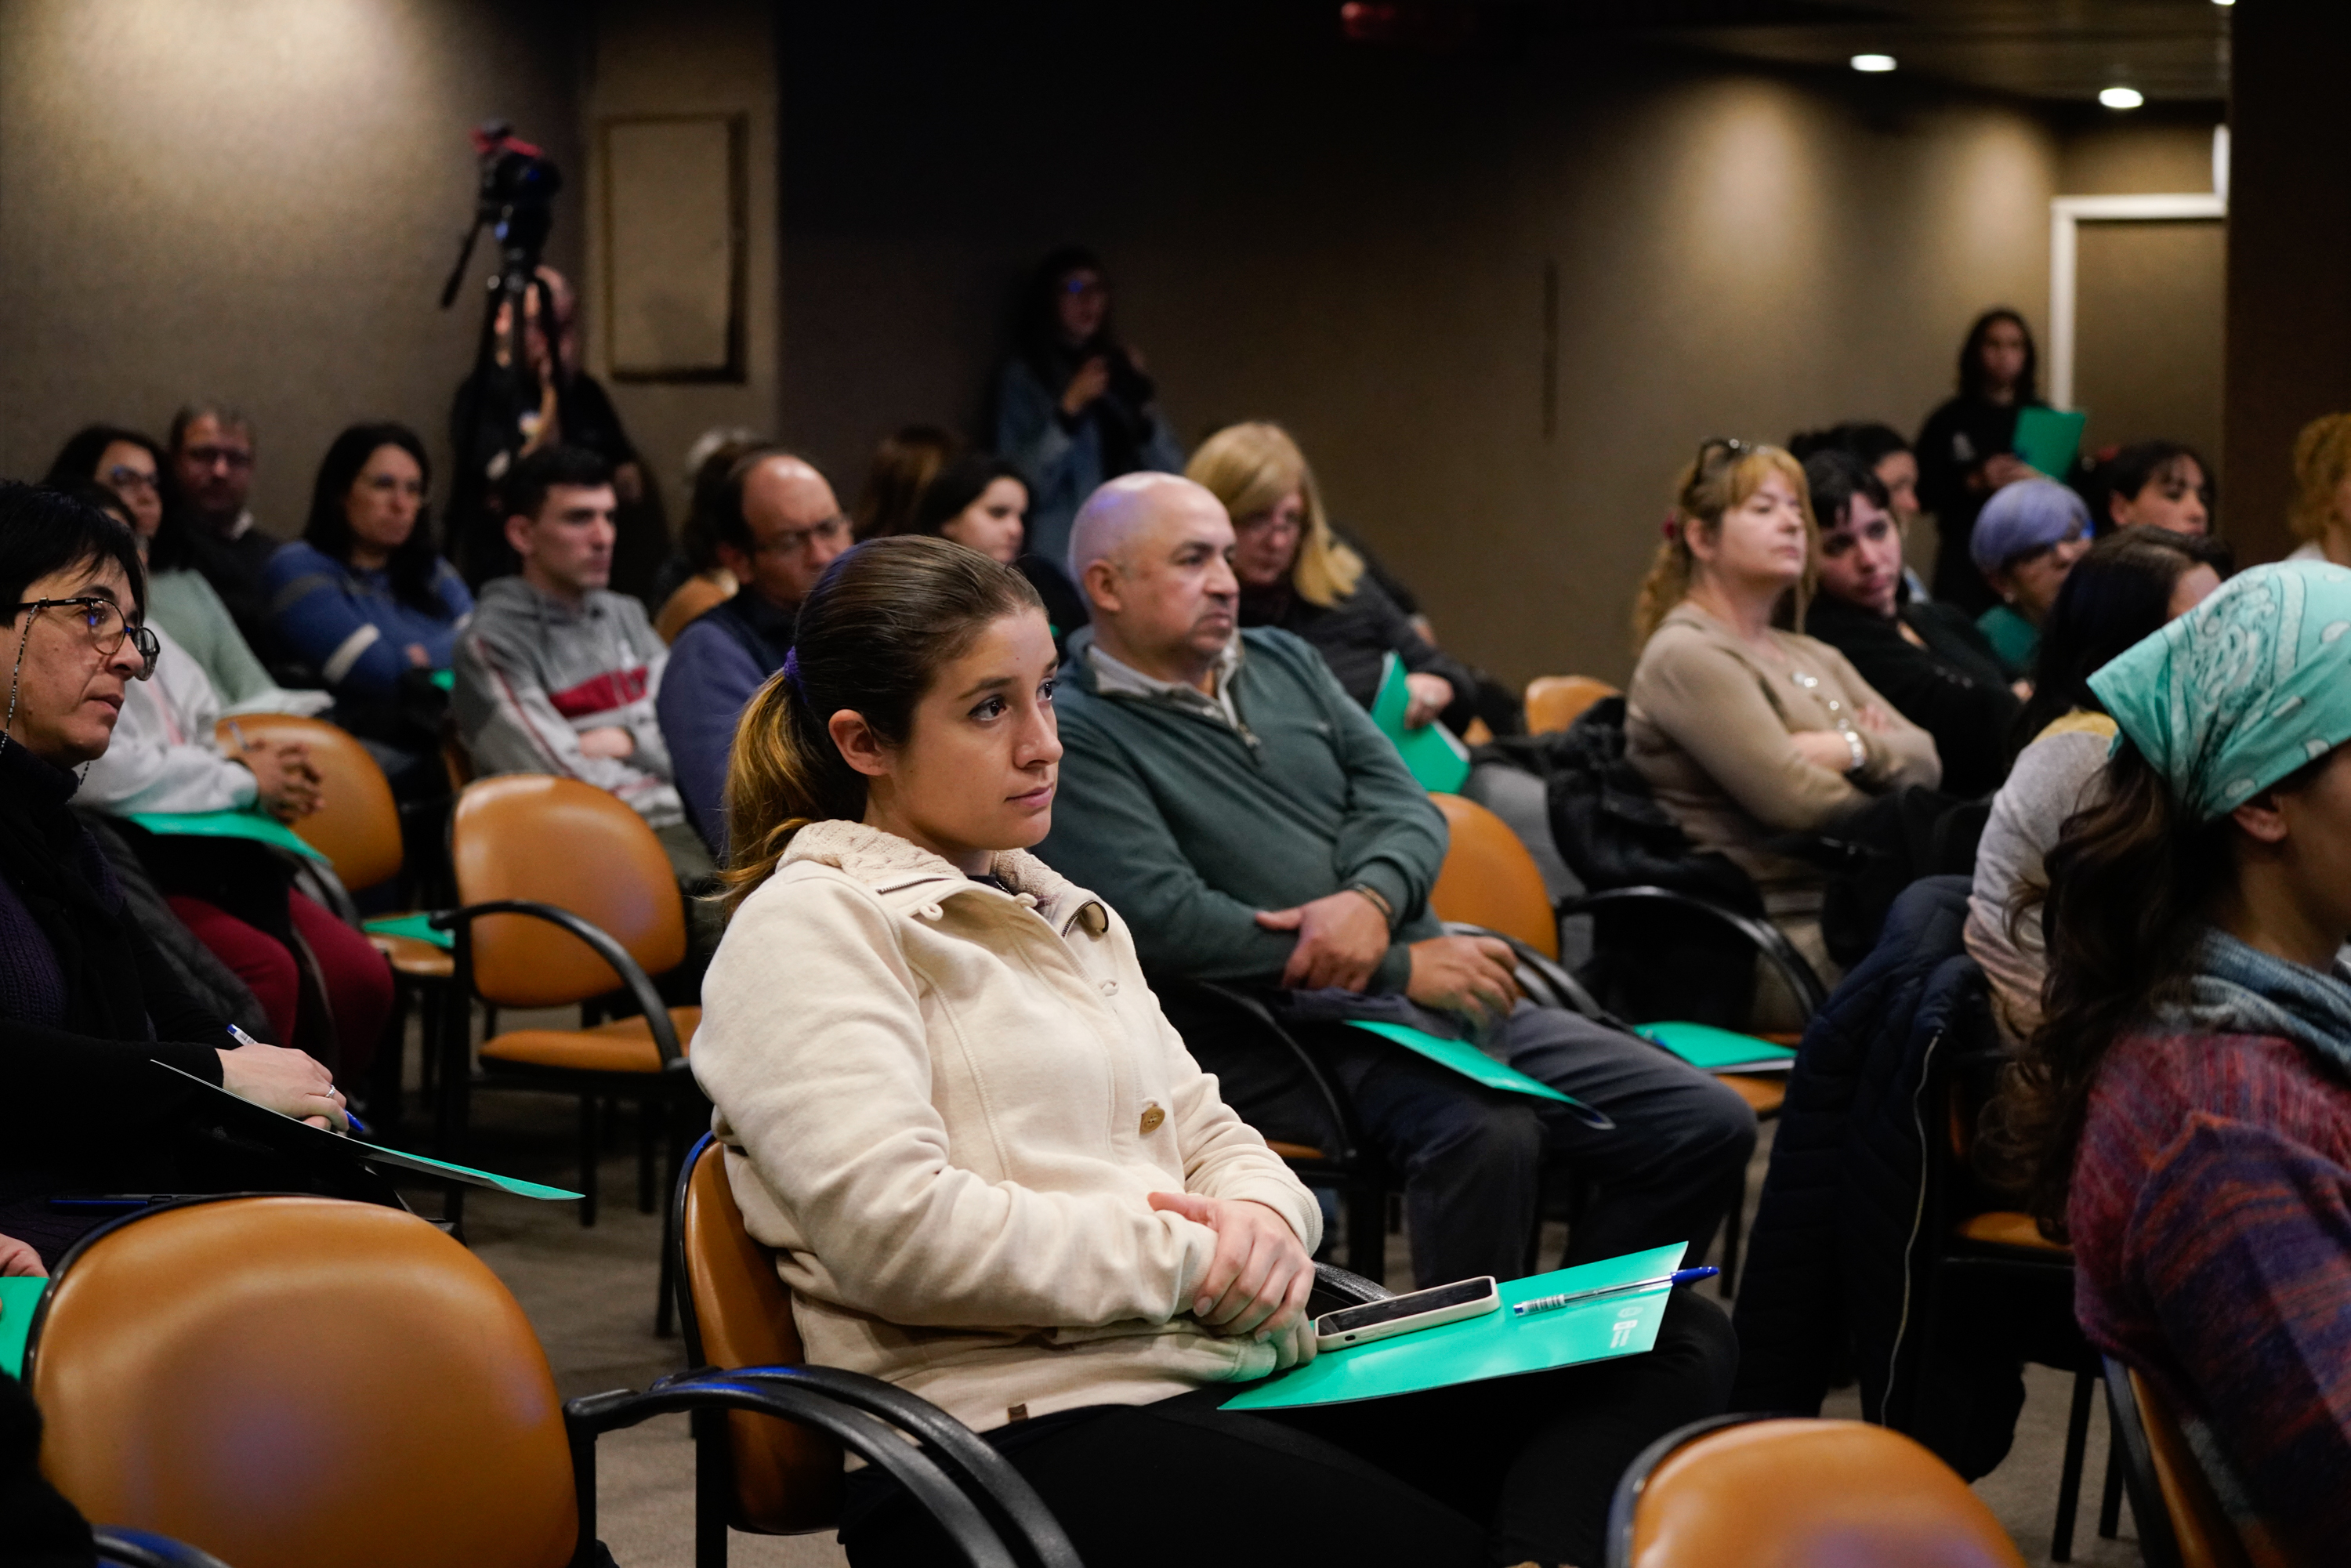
1464	1059
376	1154
1437	759
18	1298
1711	1050
226	825
2048	438
419	926
1494	1345
445	679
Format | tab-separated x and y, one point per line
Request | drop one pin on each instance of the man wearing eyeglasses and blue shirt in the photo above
778	526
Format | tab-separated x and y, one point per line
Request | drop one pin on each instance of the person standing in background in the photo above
1967	450
211	480
1073	407
549	400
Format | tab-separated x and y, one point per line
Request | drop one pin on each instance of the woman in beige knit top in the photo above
1744	732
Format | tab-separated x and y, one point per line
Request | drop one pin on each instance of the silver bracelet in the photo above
1860	752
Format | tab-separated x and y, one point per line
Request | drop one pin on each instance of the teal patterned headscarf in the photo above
2242	690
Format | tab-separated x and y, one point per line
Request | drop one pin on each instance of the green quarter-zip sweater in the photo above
1190	825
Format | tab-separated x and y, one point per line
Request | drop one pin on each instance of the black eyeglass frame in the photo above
139	635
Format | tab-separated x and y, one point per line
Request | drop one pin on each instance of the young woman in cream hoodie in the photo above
994	1175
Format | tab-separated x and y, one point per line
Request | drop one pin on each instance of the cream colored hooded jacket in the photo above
945	1106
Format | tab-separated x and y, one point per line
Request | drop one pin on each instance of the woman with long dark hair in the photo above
2122	591
2185	1105
363	596
993	1174
1074	406
1968	447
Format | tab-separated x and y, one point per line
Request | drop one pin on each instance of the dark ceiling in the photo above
2055	50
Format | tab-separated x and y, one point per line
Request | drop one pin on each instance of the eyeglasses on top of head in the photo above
107	624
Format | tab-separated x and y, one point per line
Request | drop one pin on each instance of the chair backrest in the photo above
2201	1532
289	1381
787	1479
1488	878
356	824
1554	702
681	608
1794	1493
561	841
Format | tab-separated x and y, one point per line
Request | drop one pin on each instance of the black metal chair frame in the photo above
714	1484
671	1092
1771	944
2159	1543
964	1484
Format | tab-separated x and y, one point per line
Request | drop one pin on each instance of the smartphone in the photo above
1393	1315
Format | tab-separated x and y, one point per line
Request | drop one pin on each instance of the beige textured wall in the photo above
254	202
697	57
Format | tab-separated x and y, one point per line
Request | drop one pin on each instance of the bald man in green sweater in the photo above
1242	814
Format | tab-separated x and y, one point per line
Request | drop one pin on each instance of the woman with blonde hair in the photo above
2322	490
993	1175
1745	732
1297	574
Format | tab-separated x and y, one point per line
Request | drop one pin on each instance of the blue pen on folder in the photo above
242	1038
1552	1303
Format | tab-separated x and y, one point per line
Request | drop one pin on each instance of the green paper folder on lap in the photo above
1465	1059
1438	762
2049	438
445	679
419	927
250	825
18	1298
1711	1050
1494	1345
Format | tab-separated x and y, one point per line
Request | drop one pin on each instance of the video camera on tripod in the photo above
515	203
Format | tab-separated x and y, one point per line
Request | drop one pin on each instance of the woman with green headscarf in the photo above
2186	1104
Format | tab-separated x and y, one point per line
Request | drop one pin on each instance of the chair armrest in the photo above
1342	1116
639	984
942	1436
588	1417
121	1547
1335	1288
1768	939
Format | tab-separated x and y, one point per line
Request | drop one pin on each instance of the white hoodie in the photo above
163	757
946	1107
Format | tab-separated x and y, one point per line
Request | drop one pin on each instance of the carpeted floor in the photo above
589	1293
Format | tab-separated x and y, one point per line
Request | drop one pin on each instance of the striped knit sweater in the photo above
2210	1216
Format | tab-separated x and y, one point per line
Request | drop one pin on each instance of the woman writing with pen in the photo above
85	1006
994	1175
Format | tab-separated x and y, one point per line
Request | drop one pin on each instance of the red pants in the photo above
359	981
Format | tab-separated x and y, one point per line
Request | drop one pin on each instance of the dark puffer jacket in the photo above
1837	1261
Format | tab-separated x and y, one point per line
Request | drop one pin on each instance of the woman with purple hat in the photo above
2026	539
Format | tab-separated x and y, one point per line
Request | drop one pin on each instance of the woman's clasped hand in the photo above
1257	1282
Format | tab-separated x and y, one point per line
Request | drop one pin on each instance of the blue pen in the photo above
242	1038
1552	1303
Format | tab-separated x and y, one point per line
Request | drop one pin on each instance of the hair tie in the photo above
792	672
1672	528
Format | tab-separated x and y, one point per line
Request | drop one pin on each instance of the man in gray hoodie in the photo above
555	673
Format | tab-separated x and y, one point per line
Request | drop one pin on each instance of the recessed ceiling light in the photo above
1873	62
2122	98
2224	1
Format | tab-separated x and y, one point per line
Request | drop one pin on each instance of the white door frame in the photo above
2066	215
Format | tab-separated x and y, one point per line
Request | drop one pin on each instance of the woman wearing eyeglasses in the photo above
363	597
1747	733
2026	539
181	601
85	1006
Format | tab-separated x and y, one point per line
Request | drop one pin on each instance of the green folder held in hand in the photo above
1466	1059
1437	760
18	1298
1495	1345
2049	438
250	825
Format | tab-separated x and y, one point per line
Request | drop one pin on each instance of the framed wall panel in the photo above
674	203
